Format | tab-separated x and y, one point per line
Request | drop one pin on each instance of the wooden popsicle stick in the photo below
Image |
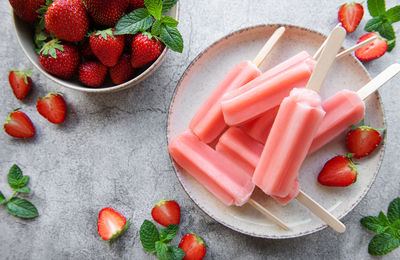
267	48
355	47
378	81
334	41
268	214
320	212
318	52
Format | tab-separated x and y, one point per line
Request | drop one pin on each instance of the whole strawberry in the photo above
107	47
92	73
60	59
26	9
145	49
194	247
86	51
339	171
67	20
20	82
19	125
52	107
106	12
123	71
363	140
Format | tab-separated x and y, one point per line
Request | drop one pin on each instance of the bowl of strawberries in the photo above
97	45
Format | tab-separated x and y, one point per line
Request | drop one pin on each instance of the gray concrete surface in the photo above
111	151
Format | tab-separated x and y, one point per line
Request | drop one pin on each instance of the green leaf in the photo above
377	224
21	208
156	28
168	233
171	22
374	23
162	251
171	38
119	233
395	229
393	212
167	5
2	198
15	177
134	22
149	236
382	244
176	253
376	7
393	14
23	190
154	7
391	45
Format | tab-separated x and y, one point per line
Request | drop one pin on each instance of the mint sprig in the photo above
387	228
14	205
154	241
382	21
150	20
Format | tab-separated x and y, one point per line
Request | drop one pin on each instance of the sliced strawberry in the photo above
20	82
111	224
339	171
373	50
362	141
194	247
350	16
19	125
52	107
166	212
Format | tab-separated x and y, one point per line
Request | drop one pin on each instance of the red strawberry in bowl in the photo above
52	107
60	59
19	125
135	4
166	212
340	171
67	20
20	82
92	73
111	224
26	9
194	247
106	12
145	49
107	47
122	71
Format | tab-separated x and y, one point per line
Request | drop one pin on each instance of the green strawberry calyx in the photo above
105	33
51	48
25	74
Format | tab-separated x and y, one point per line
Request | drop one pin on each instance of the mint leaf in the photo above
393	14
171	22
2	198
376	7
23	190
162	251
167	5
134	22
374	23
154	7
168	233
21	208
374	224
156	28
176	253
394	210
391	44
395	229
149	236
16	179
171	38
382	244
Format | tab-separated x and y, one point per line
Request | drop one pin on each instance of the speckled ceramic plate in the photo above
205	72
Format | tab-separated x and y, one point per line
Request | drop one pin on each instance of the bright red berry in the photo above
362	141
373	50
166	212
20	82
339	171
52	107
350	16
26	9
19	125
123	71
86	51
135	4
106	12
145	50
111	224
194	247
92	73
107	47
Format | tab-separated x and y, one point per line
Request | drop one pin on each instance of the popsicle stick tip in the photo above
267	48
268	214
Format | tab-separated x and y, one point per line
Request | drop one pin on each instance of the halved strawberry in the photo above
339	171
373	50
194	247
20	82
166	212
19	125
52	107
350	16
111	224
363	140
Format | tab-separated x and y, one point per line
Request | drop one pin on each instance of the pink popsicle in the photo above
298	119
208	123
227	181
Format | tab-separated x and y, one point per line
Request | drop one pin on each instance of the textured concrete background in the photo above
111	151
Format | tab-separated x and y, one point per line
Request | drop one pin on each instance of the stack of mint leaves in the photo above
157	242
15	205
387	228
382	21
152	22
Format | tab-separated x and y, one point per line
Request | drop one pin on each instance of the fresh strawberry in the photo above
166	212
145	50
86	51
52	107
26	9
339	171
362	141
19	125
107	47
111	224
67	20
60	59
350	16
92	73
123	71
106	12
20	82
372	50
135	4
194	247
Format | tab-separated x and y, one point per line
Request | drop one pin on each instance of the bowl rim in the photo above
83	88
